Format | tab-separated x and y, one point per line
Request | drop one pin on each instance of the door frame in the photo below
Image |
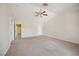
12	28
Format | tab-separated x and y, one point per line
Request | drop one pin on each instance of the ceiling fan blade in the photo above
43	11
45	14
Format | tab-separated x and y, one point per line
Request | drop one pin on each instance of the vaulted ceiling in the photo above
26	11
57	7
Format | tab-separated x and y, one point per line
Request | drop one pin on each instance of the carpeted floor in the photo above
42	46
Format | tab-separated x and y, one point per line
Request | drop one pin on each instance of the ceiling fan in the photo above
41	13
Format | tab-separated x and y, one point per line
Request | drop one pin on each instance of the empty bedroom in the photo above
39	29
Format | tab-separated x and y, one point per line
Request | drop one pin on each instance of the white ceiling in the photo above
52	7
26	11
57	7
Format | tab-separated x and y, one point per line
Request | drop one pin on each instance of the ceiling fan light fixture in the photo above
41	13
45	4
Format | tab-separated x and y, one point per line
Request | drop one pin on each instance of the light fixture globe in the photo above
45	4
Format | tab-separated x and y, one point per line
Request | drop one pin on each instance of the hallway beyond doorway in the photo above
18	31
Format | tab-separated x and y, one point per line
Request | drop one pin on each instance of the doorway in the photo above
18	31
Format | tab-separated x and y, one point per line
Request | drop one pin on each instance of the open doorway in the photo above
18	31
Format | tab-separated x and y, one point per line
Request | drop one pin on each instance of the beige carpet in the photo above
42	46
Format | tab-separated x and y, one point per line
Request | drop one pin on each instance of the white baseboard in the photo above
9	44
32	36
64	39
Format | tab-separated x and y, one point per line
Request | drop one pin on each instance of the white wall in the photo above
25	14
64	26
4	29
